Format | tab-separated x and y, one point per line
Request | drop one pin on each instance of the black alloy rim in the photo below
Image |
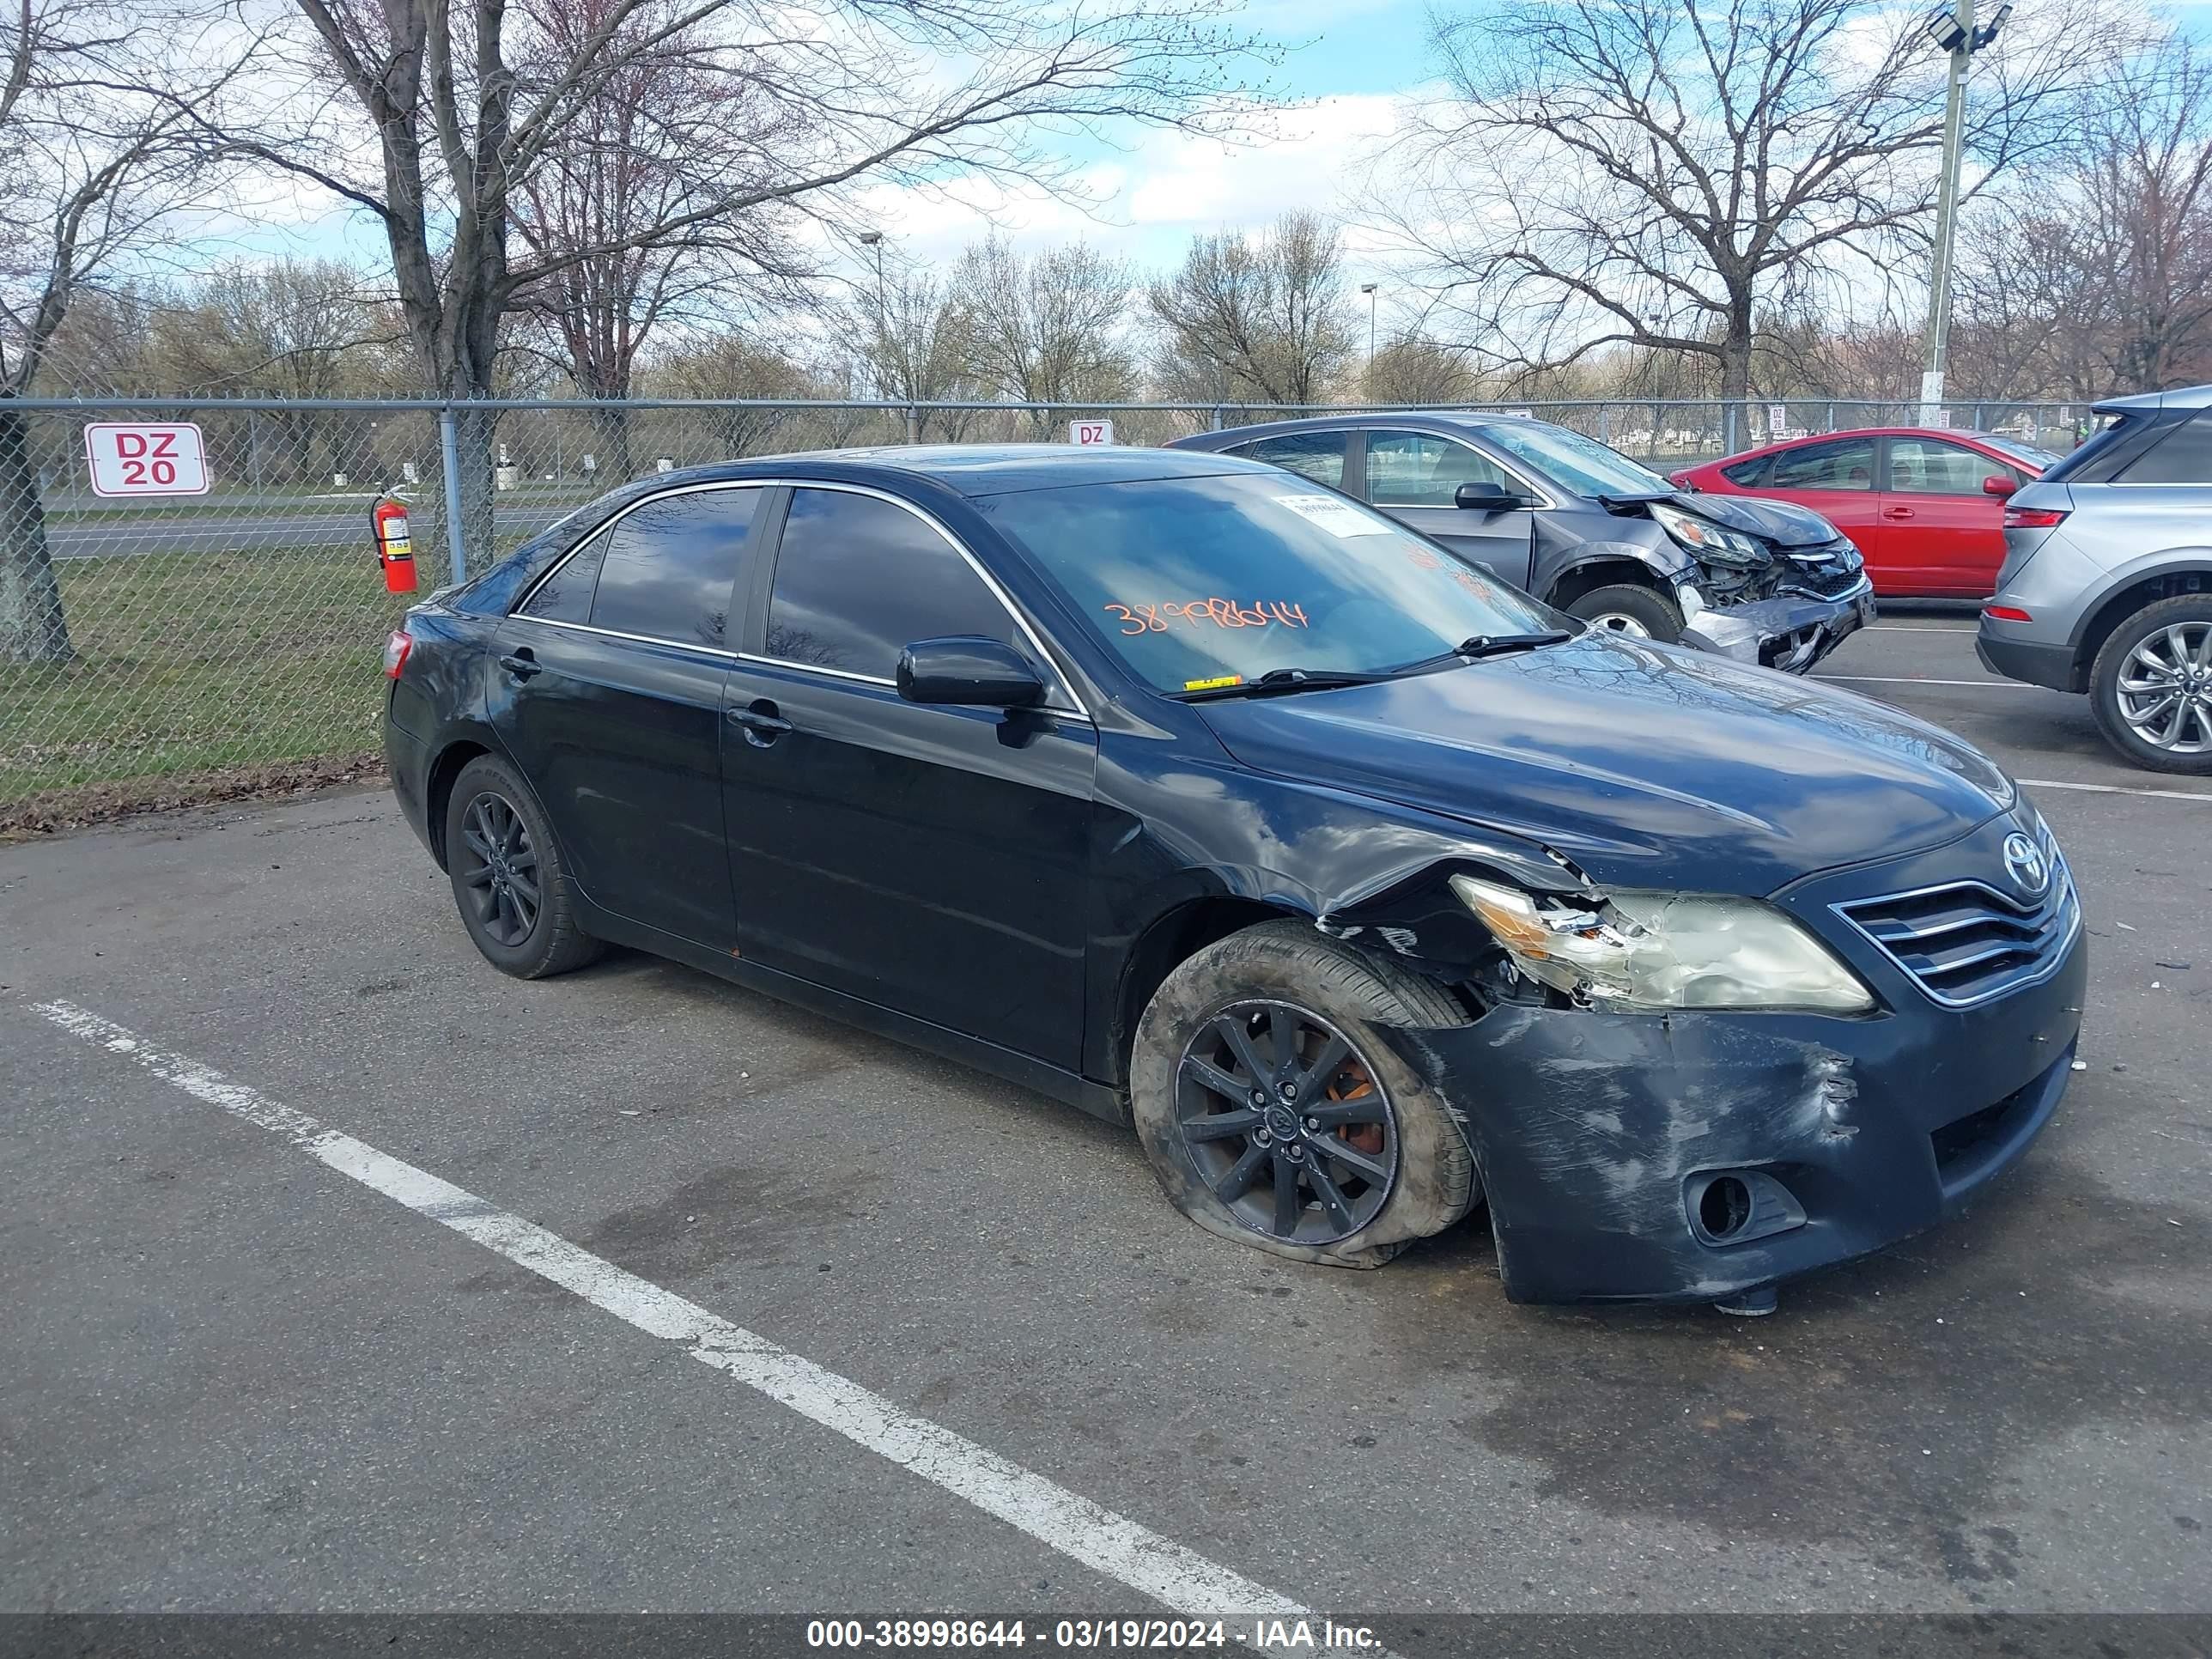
499	870
1286	1123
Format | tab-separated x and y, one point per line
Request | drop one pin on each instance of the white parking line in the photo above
1914	679
2118	789
1111	1544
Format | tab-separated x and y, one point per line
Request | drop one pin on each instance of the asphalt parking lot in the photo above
978	1364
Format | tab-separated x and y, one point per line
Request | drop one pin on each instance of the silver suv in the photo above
2107	585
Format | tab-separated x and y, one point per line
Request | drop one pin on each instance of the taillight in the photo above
2032	517
2006	613
398	645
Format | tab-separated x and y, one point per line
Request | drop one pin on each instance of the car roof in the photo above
1464	419
2188	396
977	469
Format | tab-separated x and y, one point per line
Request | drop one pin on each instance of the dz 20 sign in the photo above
164	459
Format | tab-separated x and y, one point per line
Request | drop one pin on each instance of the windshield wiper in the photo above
1484	645
1276	681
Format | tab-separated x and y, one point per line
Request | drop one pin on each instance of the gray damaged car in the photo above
1586	529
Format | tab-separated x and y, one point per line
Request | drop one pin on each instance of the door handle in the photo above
761	721
522	664
1896	513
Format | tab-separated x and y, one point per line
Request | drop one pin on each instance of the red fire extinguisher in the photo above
395	552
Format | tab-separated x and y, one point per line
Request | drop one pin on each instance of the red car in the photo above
1924	505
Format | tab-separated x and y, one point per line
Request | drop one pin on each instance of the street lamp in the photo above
1367	289
1953	32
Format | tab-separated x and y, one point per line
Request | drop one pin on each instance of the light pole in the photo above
1953	31
874	238
1367	289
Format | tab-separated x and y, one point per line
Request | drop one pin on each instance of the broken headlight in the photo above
1712	543
1644	952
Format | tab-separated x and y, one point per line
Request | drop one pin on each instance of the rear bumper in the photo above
1792	634
1595	1133
2028	661
407	763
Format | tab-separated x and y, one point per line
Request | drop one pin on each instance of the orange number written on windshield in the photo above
1222	613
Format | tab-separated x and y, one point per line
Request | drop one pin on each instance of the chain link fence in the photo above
157	646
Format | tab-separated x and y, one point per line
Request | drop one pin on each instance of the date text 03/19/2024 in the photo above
1316	1636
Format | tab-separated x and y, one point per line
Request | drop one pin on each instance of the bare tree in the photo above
2098	279
657	139
1410	367
1256	320
464	104
1049	328
1654	173
916	343
90	165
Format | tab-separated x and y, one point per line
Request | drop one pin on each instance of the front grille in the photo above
1966	942
1823	572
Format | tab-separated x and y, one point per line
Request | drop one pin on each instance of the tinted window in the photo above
1847	464
1415	469
2027	454
670	566
1746	472
566	595
1926	466
1315	455
1210	581
2183	456
858	579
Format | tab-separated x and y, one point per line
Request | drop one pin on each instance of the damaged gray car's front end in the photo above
1761	582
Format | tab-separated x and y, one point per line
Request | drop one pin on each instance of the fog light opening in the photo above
1724	1207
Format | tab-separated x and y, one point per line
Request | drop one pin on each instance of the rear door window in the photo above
1418	469
858	578
1846	464
1315	455
2184	456
671	566
1747	472
1928	467
566	595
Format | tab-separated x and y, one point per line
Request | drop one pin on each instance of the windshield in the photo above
1202	583
2027	454
1582	464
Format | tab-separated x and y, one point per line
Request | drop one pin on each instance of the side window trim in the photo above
518	609
1062	699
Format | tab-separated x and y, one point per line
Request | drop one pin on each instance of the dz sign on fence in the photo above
1087	433
167	460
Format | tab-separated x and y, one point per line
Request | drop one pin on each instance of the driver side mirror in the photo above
968	671
1491	498
1998	483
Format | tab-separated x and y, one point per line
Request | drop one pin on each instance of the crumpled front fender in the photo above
1790	633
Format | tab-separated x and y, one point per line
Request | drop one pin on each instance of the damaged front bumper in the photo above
1603	1140
1790	632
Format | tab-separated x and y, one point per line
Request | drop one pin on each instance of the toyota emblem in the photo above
2024	862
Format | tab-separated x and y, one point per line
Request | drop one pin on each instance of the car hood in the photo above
1783	522
1648	765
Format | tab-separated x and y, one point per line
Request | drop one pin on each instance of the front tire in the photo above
1275	1113
2151	689
509	883
1640	613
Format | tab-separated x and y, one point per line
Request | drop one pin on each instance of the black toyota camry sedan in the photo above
1366	887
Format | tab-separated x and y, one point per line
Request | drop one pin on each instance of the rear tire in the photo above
1357	1155
1641	613
2164	649
509	882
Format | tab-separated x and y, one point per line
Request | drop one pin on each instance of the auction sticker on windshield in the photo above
1339	518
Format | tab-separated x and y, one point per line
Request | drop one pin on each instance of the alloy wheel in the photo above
499	870
2165	688
1286	1123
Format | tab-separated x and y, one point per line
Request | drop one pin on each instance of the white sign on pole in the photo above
134	460
1778	419
1087	433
